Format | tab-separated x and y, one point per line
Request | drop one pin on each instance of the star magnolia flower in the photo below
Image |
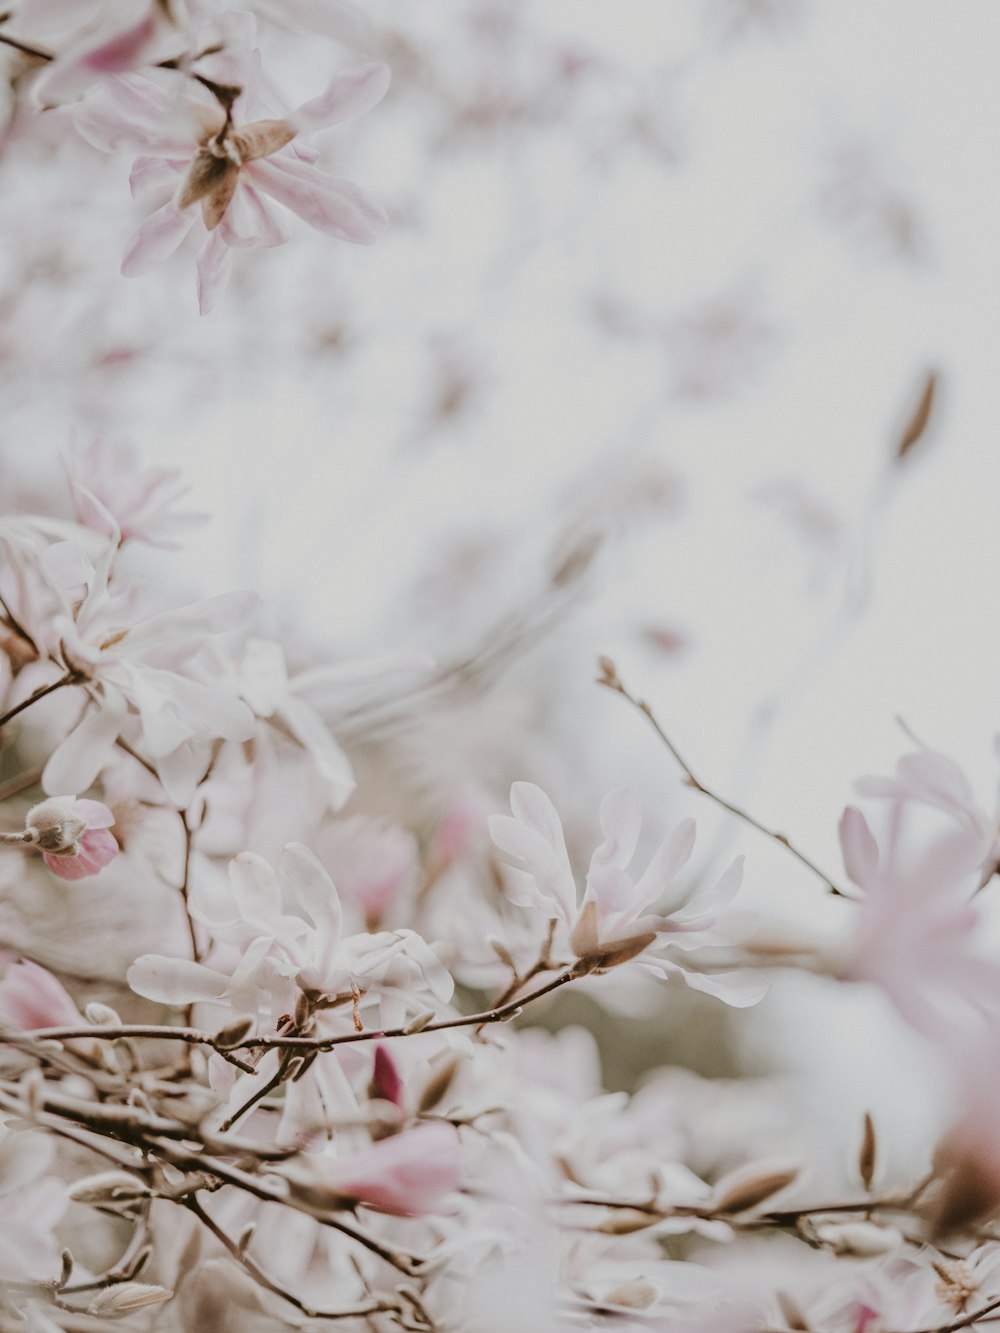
618	918
31	997
140	499
72	836
408	1174
914	930
201	170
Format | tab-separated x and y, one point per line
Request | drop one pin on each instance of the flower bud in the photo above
55	826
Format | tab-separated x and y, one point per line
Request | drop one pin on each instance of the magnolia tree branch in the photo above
610	679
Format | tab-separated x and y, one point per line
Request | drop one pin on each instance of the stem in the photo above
196	1038
70	678
610	680
260	1277
12	620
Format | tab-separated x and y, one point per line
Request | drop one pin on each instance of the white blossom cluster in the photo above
282	1049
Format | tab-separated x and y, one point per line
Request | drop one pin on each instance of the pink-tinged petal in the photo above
708	901
336	207
314	891
124	50
407	1174
671	855
157	239
31	997
250	220
214	266
534	836
76	762
859	848
98	848
350	94
175	980
155	175
192	623
315	736
96	813
621	820
255	888
175	710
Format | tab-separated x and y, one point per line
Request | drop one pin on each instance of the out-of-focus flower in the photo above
72	835
201	169
913	934
127	662
31	1205
373	861
619	918
283	952
140	499
31	997
928	777
408	1174
105	38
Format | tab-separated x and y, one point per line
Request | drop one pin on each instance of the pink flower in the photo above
139	499
915	925
72	835
201	170
407	1174
619	918
31	997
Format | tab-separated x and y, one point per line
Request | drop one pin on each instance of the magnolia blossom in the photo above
205	169
914	930
139	664
31	997
928	777
408	1174
31	1206
72	835
139	499
274	953
618	918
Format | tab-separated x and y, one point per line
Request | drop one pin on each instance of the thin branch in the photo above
196	1038
19	783
12	620
269	1284
610	680
70	678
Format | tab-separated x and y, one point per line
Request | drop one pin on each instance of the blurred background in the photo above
629	374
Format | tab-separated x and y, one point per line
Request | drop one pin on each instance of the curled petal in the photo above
350	94
214	264
336	207
157	239
859	848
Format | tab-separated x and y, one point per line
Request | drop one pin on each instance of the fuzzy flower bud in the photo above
72	835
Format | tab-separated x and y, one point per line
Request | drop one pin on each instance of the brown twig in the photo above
269	1284
609	678
70	678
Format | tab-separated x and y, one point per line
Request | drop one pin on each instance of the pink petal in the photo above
157	239
406	1174
251	220
336	207
97	849
859	848
350	94
214	264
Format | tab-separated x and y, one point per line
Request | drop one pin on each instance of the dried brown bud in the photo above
919	419
750	1186
791	1313
233	1032
868	1153
438	1084
623	1221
